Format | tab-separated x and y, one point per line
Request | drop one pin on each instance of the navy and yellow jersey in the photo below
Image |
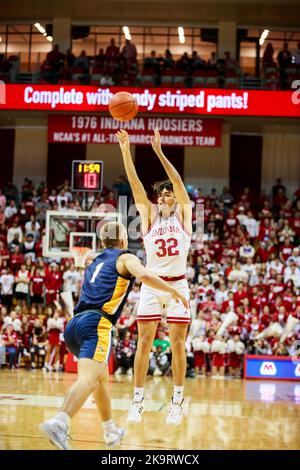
103	287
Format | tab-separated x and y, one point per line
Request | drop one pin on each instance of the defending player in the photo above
107	282
167	230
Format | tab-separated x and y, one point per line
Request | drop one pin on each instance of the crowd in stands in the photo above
121	66
246	263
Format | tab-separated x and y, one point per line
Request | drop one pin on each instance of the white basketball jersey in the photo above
167	244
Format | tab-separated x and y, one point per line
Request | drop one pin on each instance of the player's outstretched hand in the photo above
156	141
178	297
123	139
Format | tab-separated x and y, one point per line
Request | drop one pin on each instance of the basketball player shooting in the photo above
166	229
107	283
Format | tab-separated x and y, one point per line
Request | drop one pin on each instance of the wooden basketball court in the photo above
221	414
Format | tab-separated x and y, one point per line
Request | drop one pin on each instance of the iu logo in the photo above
268	368
297	370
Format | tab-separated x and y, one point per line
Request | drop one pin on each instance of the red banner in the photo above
209	102
90	129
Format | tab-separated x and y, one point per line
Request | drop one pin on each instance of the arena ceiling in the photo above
276	13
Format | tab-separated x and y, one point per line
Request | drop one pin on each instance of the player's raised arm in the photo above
133	266
180	192
140	197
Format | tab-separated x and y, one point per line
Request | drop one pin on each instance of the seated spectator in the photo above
10	339
69	59
152	62
212	61
101	58
195	63
38	346
184	62
83	62
168	63
160	356
230	63
106	80
124	354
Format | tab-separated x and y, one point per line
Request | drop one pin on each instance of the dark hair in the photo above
159	186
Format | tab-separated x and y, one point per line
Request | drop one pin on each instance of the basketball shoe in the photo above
175	414
113	437
57	432
135	411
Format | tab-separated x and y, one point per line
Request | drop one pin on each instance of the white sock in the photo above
62	416
138	394
108	425
178	394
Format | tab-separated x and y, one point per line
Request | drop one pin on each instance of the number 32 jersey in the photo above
167	244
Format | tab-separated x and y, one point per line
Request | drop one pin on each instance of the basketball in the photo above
123	106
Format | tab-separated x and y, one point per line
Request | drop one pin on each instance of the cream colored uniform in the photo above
167	244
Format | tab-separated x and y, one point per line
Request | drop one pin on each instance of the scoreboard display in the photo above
87	175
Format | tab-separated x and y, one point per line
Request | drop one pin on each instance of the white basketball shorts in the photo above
155	304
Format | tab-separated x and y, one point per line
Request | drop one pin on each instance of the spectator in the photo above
2	201
152	62
284	56
22	280
125	352
37	287
196	62
10	210
38	346
212	61
247	250
100	59
55	325
296	55
72	280
10	339
112	51
168	63
53	282
106	80
7	284
129	51
230	63
70	58
268	60
82	62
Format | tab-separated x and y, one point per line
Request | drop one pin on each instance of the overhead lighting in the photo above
126	33
45	34
49	38
263	36
0	39
181	35
40	28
